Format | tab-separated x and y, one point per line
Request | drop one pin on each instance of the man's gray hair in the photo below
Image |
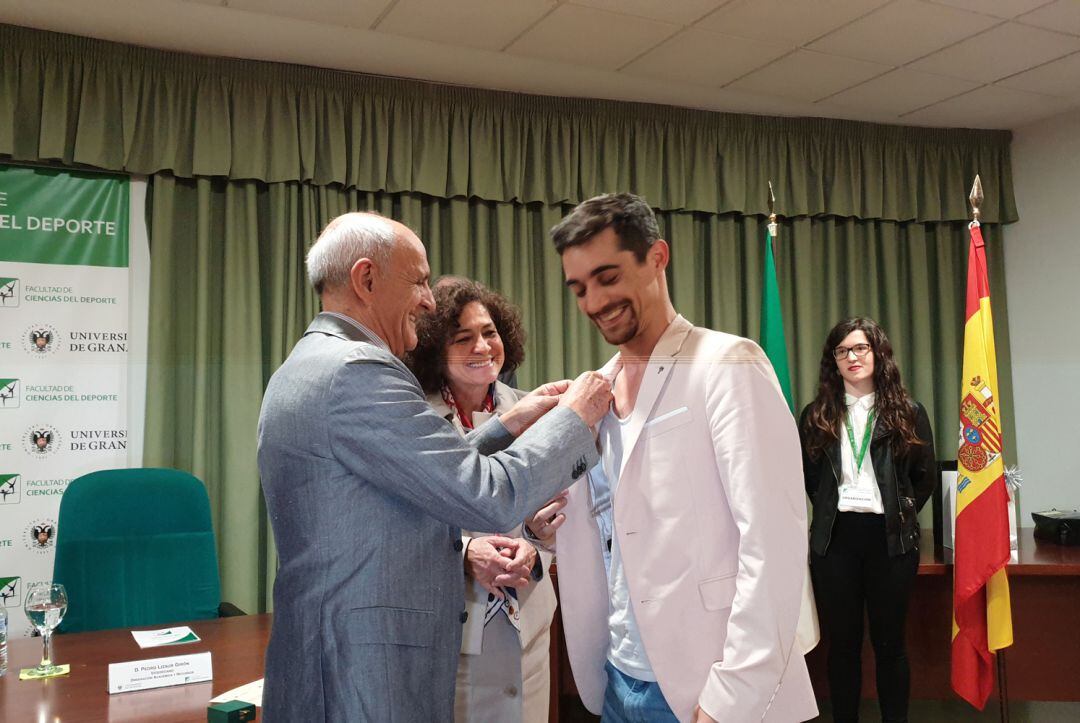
345	240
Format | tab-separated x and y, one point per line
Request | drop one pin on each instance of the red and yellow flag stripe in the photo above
982	615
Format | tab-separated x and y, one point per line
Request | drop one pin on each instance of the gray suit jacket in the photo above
366	489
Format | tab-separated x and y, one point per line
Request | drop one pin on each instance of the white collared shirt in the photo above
375	338
859	490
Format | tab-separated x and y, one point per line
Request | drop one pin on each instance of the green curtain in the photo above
82	101
229	299
249	160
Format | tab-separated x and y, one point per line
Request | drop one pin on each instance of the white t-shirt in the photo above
858	487
625	650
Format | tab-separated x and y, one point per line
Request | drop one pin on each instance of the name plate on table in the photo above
159	672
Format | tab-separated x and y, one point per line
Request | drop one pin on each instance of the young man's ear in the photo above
660	254
362	276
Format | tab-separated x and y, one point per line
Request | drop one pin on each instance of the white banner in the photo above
65	343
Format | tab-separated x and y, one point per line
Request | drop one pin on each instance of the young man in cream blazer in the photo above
683	554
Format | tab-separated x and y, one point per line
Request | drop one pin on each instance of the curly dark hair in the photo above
434	330
892	402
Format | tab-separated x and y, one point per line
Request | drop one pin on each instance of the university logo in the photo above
10	489
9	393
41	535
40	340
9	293
10	592
41	440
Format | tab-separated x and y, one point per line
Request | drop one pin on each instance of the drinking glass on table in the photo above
45	606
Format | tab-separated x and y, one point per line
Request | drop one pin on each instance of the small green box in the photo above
235	711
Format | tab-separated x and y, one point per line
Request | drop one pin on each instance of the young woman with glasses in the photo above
868	458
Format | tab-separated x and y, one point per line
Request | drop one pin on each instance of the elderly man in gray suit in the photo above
367	488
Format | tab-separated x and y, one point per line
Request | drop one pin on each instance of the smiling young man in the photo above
682	556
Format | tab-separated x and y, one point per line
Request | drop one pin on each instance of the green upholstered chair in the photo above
135	547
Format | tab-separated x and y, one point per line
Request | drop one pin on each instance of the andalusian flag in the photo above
772	322
982	616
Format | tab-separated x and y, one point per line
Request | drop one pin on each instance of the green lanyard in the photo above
860	451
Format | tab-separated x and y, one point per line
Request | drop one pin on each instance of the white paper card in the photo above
159	672
167	636
948	500
250	693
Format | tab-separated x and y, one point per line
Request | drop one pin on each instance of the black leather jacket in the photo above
905	484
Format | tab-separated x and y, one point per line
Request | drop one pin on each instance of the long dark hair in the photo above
892	403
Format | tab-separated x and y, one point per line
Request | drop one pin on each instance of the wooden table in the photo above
237	645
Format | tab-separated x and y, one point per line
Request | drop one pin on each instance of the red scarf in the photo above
487	407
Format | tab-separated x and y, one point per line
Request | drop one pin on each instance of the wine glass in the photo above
45	606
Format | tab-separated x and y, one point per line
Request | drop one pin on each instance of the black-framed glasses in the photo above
860	351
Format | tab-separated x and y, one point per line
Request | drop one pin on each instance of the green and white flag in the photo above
773	341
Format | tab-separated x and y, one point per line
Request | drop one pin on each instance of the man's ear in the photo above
362	276
660	254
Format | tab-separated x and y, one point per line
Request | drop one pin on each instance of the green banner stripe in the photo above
49	216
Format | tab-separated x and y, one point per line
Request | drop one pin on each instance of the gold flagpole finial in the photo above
976	199
772	212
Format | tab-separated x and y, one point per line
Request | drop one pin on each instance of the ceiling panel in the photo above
997	8
680	12
704	58
901	91
1063	16
1060	78
990	106
591	37
487	24
999	52
808	76
794	21
903	31
351	13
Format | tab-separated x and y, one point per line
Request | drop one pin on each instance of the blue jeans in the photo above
628	700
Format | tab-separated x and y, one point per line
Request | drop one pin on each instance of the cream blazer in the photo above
711	519
537	601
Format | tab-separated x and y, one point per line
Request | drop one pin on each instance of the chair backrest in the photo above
135	547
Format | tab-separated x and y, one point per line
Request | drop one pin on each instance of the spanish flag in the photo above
982	615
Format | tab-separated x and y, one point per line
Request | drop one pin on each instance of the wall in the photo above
1042	271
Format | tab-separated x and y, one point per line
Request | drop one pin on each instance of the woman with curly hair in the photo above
868	459
503	671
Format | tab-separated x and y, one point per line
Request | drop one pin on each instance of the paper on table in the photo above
250	693
167	636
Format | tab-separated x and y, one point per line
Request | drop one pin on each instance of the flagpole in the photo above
976	199
772	215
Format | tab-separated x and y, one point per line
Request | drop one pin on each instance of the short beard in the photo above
622	338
